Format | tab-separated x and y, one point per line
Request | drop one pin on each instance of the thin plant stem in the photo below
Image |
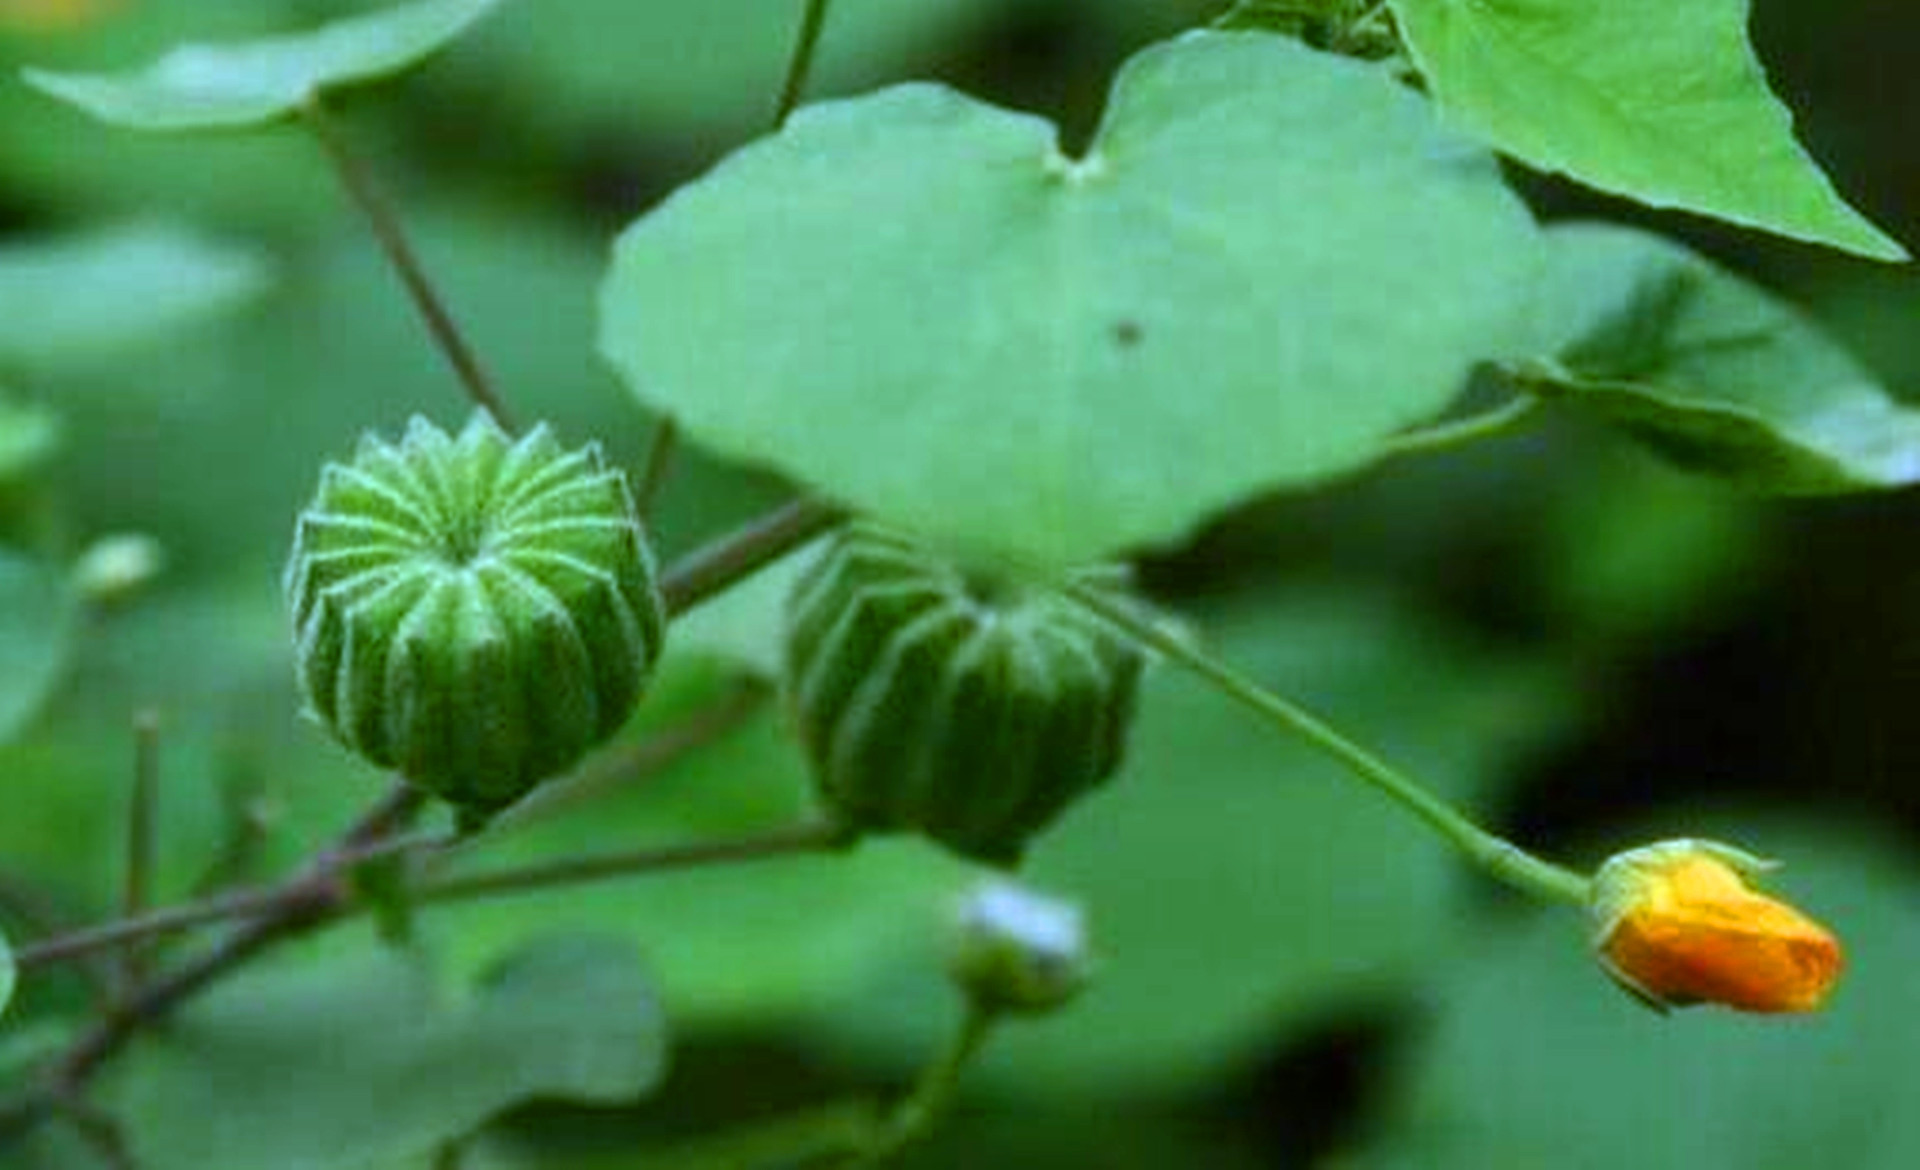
806	47
735	556
252	903
26	905
301	895
318	896
153	1001
153	924
1500	858
138	892
658	461
385	222
932	1093
807	837
631	761
655	752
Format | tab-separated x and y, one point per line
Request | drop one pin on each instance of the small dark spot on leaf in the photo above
1126	333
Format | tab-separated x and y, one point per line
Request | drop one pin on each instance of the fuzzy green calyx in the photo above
974	712
473	611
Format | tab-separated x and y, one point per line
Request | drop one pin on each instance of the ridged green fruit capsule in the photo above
473	612
930	701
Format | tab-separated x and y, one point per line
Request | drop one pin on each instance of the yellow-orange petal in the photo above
1681	923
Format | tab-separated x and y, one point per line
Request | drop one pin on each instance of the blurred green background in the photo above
1588	648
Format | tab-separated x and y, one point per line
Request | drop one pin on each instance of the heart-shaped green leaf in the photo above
364	1061
73	299
1268	260
1659	101
1713	372
251	83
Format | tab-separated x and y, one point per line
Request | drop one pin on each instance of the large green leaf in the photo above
1711	371
313	1065
917	304
251	83
1238	885
1663	102
36	634
1534	1059
77	299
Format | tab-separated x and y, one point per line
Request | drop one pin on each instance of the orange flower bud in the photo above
1681	922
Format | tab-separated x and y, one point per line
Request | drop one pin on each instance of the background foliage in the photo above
1584	645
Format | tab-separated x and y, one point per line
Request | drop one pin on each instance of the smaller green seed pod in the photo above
933	702
473	612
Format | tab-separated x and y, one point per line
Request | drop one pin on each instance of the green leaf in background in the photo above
1237	885
37	611
85	167
345	1063
1533	1058
1662	102
1713	372
75	300
251	83
1631	551
917	304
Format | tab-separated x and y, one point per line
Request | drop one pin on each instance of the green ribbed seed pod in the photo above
932	702
473	612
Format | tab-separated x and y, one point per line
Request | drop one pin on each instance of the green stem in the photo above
366	196
137	895
248	903
715	567
650	755
1500	858
807	837
806	47
318	898
932	1093
658	460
